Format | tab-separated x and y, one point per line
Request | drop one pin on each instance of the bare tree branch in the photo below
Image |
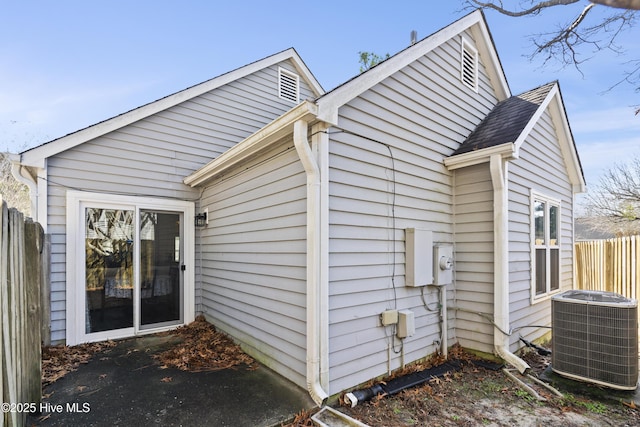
578	40
565	44
535	9
620	4
614	204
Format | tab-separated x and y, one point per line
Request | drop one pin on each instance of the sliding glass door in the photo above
132	271
119	295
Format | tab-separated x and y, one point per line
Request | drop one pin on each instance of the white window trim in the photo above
281	72
536	195
75	299
466	45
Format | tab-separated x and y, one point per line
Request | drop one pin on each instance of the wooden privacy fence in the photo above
21	262
609	265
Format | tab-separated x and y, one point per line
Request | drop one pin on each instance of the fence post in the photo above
21	244
34	240
3	279
45	291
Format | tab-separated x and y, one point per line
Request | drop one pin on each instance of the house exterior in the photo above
417	205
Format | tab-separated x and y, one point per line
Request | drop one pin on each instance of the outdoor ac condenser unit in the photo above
595	338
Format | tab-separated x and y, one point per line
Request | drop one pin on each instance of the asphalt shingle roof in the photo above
506	121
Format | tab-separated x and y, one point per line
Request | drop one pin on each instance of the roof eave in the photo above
507	150
553	101
567	144
36	156
328	104
252	145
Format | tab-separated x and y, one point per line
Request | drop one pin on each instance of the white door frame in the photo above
75	266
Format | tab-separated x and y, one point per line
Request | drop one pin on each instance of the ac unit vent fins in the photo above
595	338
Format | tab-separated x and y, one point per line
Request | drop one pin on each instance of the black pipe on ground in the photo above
541	350
396	385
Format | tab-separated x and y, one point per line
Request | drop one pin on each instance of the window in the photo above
545	256
469	65
288	85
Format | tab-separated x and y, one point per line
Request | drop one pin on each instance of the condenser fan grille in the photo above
595	338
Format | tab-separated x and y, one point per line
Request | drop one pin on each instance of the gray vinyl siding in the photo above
151	157
254	260
422	113
474	257
541	167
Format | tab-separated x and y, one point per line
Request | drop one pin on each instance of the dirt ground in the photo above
477	396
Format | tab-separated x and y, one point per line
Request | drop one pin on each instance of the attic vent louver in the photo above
469	65
288	85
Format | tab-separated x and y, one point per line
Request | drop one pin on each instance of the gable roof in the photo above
35	156
506	127
326	106
329	103
506	121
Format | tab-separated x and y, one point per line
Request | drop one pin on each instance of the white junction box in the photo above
389	317
418	257
406	324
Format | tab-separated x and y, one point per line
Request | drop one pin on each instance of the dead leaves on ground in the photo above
57	361
302	419
201	348
204	349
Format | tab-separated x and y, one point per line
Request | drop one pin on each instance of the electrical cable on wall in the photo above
393	202
393	222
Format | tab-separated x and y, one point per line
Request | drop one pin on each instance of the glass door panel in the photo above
161	292
109	282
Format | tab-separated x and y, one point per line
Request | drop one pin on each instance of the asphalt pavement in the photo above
125	386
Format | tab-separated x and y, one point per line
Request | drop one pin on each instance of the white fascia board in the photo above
567	144
536	117
306	74
553	101
35	156
271	133
507	151
328	105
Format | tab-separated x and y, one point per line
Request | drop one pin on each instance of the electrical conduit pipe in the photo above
498	169
315	303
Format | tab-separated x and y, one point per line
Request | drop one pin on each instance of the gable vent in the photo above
469	65
288	85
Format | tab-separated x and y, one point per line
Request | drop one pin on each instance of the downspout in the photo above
22	174
498	169
315	305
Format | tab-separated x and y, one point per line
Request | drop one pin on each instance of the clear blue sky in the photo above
65	65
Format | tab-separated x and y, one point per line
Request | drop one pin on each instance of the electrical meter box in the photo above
418	255
443	265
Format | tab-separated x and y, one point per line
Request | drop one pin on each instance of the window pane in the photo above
541	271
108	269
554	268
538	213
160	290
553	225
